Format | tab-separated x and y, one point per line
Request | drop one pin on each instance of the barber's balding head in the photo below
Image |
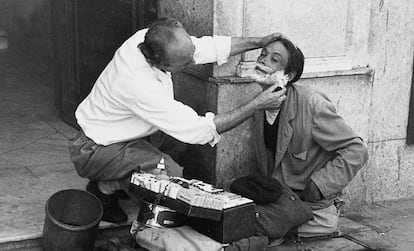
167	45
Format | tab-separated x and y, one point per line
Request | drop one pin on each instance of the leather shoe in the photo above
112	211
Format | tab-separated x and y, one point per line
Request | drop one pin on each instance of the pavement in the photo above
34	159
387	225
381	226
391	220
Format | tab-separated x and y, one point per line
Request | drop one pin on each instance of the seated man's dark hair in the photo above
159	34
295	61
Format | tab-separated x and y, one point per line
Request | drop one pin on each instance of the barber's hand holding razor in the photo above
271	98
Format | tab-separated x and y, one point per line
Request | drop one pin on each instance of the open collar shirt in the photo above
132	99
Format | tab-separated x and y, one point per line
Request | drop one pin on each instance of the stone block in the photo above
235	156
266	16
229	18
196	92
196	15
354	194
389	173
391	55
227	69
351	97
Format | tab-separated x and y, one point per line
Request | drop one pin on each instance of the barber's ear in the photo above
291	75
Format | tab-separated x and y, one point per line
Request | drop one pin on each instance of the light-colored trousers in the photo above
325	221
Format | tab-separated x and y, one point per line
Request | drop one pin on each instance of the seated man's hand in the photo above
311	193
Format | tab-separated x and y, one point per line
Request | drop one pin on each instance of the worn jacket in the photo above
313	142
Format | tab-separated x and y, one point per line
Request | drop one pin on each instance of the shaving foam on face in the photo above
263	69
266	75
278	78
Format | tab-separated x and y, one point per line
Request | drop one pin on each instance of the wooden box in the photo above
224	226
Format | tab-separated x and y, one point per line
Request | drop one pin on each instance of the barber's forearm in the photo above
242	44
269	99
227	121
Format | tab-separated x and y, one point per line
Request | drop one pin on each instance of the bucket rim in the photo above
72	227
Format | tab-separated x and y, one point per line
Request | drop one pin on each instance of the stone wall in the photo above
390	172
372	95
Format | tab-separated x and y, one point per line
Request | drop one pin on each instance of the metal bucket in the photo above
72	219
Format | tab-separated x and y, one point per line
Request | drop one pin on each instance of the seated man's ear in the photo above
292	75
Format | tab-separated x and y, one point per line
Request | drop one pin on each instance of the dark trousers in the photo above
117	161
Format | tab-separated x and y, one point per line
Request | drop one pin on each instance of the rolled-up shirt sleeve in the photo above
174	118
210	119
211	49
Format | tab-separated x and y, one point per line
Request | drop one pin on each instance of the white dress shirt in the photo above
131	99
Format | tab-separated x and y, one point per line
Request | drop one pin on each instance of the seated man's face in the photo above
274	56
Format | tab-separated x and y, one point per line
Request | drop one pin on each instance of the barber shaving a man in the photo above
303	145
130	120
